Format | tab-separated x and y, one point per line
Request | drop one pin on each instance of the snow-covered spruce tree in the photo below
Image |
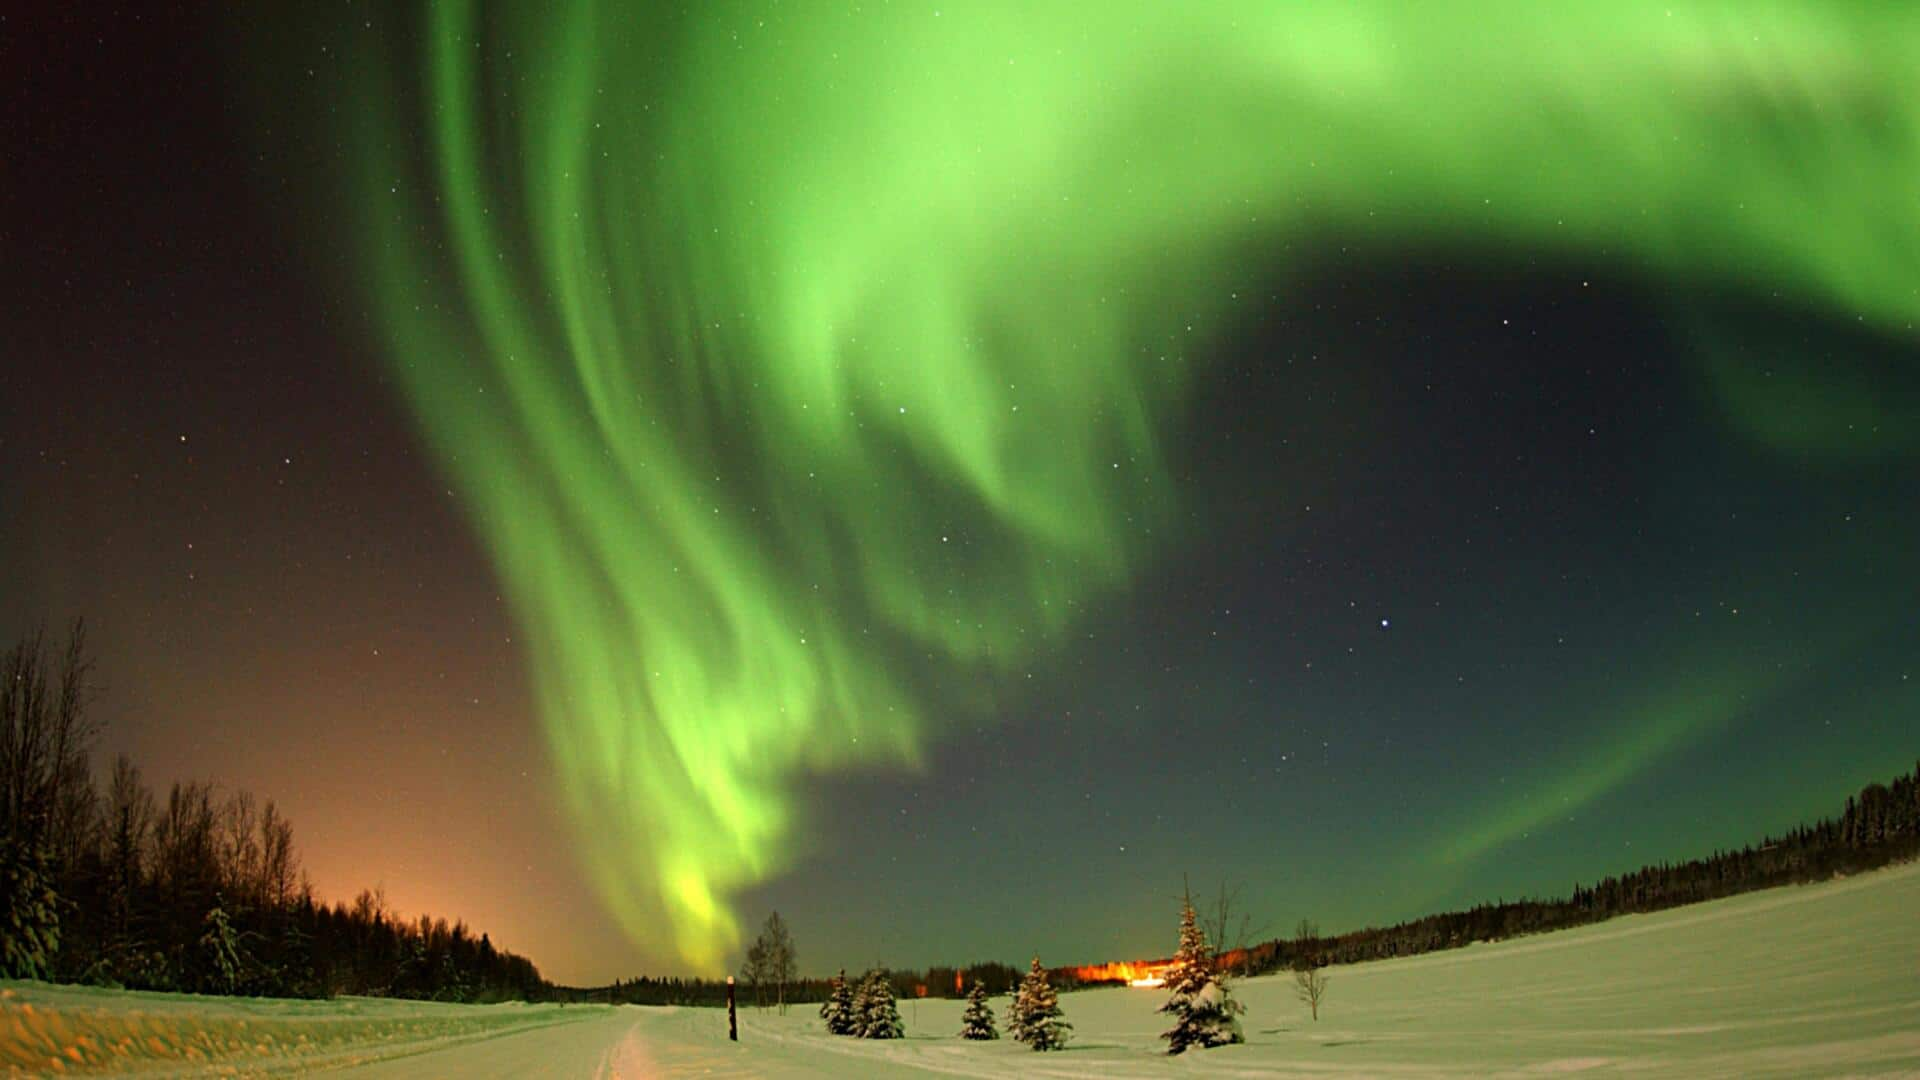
220	950
857	1007
879	1015
977	1021
1036	1018
29	909
1016	1027
1205	1015
838	1009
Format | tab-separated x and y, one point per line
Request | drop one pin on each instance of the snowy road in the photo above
617	1043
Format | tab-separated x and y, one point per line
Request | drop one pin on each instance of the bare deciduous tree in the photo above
129	824
240	850
781	961
44	735
278	860
1231	930
753	970
1309	981
185	845
770	962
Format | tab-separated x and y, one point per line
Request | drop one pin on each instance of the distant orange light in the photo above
1138	973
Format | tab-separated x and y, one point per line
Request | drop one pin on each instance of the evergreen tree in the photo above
839	1009
220	951
1016	1026
296	976
857	1007
411	978
977	1022
29	910
1035	1018
879	1015
1205	1015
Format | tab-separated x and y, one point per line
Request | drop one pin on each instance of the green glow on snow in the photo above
775	345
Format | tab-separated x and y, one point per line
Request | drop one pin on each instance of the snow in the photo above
1800	981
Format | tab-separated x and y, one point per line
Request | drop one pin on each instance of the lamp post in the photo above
733	1024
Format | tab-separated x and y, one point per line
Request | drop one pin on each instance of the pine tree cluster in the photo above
868	1011
1035	1017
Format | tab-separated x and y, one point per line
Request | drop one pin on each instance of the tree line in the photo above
769	972
196	891
932	982
1880	825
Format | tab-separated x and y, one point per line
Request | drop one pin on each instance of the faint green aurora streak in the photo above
768	347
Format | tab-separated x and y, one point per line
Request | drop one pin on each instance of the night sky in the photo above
949	474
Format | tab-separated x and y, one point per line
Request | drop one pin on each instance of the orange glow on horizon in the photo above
1140	973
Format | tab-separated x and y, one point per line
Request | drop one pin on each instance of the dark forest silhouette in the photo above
194	892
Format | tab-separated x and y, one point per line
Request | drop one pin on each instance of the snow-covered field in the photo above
1813	980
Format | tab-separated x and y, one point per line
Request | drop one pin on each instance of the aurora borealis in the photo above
861	401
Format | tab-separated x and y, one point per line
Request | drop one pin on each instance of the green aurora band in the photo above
776	346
